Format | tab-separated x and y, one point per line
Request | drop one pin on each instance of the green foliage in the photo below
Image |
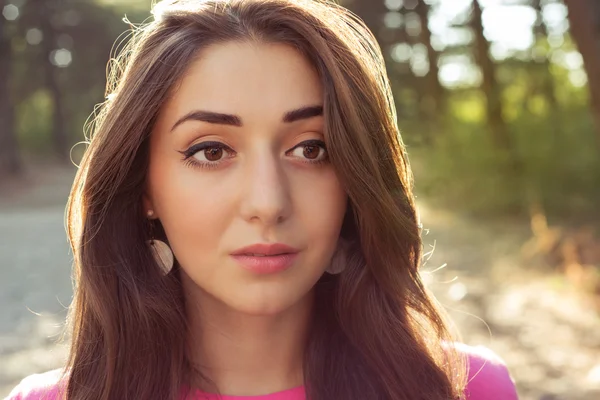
557	157
554	159
89	35
34	119
561	158
462	170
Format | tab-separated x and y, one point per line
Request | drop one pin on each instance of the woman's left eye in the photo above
313	151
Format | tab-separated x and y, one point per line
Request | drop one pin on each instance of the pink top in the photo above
489	379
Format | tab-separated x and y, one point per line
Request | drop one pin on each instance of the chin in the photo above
260	310
268	304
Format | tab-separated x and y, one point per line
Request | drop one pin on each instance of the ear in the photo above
147	204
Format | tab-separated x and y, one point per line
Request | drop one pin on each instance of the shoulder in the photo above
46	386
488	378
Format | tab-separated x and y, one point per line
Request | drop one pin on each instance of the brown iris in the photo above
213	153
311	152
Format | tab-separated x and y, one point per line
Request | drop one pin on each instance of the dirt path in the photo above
35	283
546	333
547	336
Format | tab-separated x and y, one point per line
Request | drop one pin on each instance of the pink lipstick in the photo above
266	258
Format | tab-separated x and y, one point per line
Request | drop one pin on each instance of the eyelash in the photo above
190	152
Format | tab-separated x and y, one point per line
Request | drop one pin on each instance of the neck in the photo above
247	355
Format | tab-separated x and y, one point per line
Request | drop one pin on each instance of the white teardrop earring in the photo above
162	253
339	259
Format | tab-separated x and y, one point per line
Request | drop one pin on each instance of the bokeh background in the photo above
499	105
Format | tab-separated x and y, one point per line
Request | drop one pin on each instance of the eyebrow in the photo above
303	113
234	120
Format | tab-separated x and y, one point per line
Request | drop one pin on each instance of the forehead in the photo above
247	78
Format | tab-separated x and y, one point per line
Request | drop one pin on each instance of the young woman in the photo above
243	222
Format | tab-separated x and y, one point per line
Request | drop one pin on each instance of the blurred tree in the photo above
489	85
59	68
399	37
584	16
434	98
546	86
441	66
371	12
9	152
49	13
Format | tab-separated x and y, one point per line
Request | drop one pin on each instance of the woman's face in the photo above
237	158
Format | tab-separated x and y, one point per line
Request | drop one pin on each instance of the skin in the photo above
247	329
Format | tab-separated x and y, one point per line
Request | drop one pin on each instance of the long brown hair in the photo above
376	332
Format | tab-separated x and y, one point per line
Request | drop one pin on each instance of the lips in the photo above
266	258
265	250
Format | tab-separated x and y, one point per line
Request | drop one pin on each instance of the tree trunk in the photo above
584	18
489	85
372	12
547	85
59	134
10	161
435	92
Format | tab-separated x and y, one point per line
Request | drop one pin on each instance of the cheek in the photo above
193	209
320	206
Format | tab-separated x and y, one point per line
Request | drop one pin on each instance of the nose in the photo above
265	195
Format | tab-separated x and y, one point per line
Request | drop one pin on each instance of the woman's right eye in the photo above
207	154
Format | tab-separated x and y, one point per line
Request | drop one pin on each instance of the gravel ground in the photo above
547	332
35	282
544	330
